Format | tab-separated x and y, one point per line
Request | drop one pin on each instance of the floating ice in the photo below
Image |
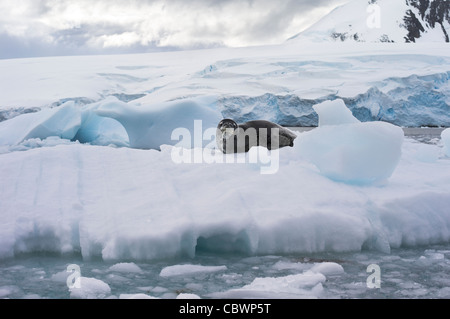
126	204
188	296
304	285
178	270
327	268
126	267
347	150
136	296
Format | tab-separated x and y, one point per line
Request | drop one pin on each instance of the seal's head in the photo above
225	129
226	124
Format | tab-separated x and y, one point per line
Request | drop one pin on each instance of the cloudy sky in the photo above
70	27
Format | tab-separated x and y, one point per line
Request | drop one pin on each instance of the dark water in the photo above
404	273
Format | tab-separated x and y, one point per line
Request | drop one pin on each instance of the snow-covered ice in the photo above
125	203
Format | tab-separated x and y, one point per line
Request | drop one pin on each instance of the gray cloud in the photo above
48	27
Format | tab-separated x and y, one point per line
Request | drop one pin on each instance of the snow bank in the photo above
346	150
445	136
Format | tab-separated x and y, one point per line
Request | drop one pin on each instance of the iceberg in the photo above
347	150
62	122
149	127
113	122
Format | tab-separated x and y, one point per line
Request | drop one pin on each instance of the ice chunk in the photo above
349	151
126	267
136	296
178	270
63	122
60	276
90	288
150	126
283	265
188	296
445	136
327	268
305	285
334	113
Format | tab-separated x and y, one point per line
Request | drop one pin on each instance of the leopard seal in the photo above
239	138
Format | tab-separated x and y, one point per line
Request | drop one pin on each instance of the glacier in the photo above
412	101
401	84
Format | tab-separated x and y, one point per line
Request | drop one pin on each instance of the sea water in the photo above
421	272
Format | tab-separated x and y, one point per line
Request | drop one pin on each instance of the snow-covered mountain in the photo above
384	21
